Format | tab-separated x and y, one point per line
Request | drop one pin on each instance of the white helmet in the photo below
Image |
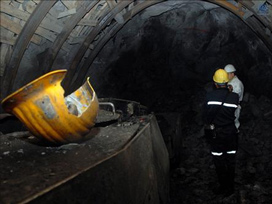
230	68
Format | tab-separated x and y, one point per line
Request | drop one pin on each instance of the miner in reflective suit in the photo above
219	109
237	87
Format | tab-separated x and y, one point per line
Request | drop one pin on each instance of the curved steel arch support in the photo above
255	22
22	41
85	45
235	9
127	16
52	52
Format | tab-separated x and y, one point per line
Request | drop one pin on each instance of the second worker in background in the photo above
237	87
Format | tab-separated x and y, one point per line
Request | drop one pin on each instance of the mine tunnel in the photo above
157	57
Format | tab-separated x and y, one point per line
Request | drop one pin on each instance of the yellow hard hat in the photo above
220	76
44	110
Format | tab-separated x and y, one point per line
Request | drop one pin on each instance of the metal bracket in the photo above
108	104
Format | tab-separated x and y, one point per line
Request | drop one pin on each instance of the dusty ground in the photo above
194	178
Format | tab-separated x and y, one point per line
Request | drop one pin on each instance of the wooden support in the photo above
22	41
46	34
102	11
69	4
48	23
52	52
247	3
10	10
258	28
7	39
67	13
16	28
29	6
250	7
81	76
53	13
101	25
77	40
87	22
111	3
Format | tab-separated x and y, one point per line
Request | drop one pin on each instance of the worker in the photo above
237	87
219	109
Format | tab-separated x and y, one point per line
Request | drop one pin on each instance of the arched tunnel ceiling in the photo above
80	29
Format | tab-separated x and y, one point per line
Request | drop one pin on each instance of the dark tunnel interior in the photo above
166	62
173	56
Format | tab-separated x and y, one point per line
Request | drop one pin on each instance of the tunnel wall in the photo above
178	52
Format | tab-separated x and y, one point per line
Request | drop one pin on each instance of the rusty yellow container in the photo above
44	110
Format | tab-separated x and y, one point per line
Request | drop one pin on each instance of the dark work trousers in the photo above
223	150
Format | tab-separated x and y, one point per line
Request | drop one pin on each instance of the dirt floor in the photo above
194	178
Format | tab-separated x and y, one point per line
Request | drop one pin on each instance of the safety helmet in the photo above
230	68
50	116
220	76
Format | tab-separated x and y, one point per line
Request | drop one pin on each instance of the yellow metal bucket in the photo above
44	110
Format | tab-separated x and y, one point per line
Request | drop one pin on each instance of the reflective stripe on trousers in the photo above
220	153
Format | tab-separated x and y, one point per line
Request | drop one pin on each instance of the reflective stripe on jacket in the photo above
223	115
